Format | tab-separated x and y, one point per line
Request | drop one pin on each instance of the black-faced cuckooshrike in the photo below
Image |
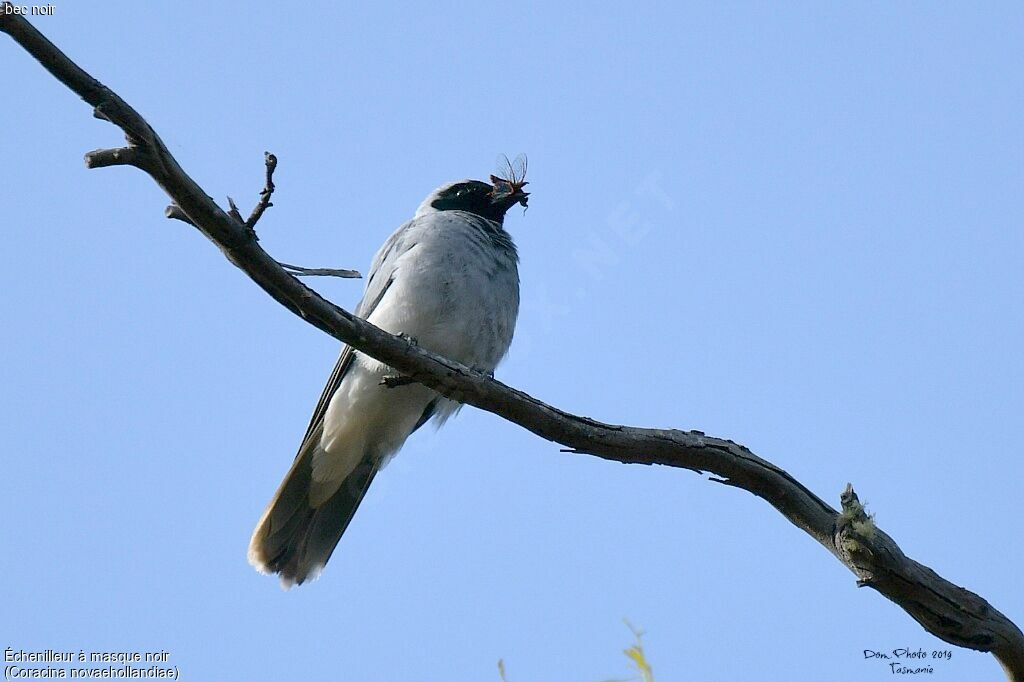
448	278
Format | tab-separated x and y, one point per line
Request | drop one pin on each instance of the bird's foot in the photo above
396	380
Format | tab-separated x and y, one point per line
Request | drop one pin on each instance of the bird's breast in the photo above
457	293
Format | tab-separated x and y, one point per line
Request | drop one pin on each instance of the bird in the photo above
448	281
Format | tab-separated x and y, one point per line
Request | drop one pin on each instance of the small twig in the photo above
121	156
234	212
174	212
265	193
298	271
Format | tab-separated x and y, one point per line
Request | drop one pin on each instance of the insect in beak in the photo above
509	185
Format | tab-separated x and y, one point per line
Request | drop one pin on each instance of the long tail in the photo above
295	538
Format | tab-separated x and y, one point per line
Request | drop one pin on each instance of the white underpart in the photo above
457	301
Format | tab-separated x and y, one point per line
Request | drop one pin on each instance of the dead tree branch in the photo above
265	193
951	613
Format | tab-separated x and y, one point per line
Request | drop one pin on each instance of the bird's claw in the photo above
396	380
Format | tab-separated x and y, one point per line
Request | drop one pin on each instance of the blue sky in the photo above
797	226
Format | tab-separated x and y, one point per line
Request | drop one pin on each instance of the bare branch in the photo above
174	211
265	193
949	612
122	156
233	211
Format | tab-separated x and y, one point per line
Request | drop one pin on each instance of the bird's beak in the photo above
508	193
519	196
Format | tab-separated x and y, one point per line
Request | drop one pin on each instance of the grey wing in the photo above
381	275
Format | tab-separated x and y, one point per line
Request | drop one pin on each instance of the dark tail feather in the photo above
296	539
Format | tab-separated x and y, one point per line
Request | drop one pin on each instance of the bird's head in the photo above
489	201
